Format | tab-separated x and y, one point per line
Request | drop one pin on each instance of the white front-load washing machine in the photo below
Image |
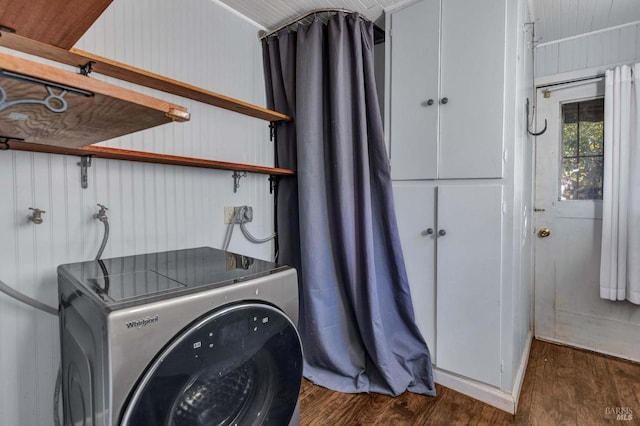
188	337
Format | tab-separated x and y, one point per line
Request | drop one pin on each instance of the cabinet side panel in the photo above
468	281
414	80
472	64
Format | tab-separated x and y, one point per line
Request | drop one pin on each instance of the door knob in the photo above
428	102
426	232
442	232
444	100
544	232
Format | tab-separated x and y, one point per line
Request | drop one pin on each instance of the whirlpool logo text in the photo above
142	322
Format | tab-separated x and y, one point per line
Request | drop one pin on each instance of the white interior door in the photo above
568	212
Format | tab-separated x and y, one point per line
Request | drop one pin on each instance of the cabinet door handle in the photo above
442	232
426	232
444	101
428	102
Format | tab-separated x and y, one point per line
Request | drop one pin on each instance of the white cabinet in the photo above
451	240
447	83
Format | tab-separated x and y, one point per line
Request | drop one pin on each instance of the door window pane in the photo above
582	150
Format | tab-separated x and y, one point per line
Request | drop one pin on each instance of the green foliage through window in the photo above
582	150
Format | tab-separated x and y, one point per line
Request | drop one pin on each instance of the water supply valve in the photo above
102	213
36	216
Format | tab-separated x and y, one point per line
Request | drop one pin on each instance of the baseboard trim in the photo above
476	390
524	361
504	401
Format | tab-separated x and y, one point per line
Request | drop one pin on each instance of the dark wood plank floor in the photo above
562	386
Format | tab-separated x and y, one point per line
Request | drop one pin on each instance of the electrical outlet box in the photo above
229	212
230	261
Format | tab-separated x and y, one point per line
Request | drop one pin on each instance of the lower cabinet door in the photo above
415	210
468	276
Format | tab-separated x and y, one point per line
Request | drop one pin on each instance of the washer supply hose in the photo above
50	310
27	300
238	218
253	239
105	238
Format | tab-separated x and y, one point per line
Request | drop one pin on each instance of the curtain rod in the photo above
306	15
570	83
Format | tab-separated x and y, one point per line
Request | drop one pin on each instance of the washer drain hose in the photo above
27	300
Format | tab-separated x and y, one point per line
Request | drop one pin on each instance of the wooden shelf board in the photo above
76	57
147	157
107	112
59	23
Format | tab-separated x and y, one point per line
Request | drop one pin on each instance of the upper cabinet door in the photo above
415	45
447	79
472	80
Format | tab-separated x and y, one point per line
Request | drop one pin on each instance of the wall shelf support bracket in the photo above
87	68
236	179
273	183
84	163
4	142
54	102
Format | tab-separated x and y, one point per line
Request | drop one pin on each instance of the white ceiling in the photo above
555	19
273	13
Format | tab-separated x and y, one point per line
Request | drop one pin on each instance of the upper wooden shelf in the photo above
59	23
76	57
47	105
148	157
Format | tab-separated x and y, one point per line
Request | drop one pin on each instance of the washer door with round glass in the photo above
241	365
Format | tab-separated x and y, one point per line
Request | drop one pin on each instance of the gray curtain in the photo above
336	220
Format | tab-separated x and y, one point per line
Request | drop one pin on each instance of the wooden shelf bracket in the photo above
236	179
273	183
87	68
54	102
84	163
4	142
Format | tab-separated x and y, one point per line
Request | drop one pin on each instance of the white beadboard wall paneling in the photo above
9	399
152	207
44	254
590	53
26	266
